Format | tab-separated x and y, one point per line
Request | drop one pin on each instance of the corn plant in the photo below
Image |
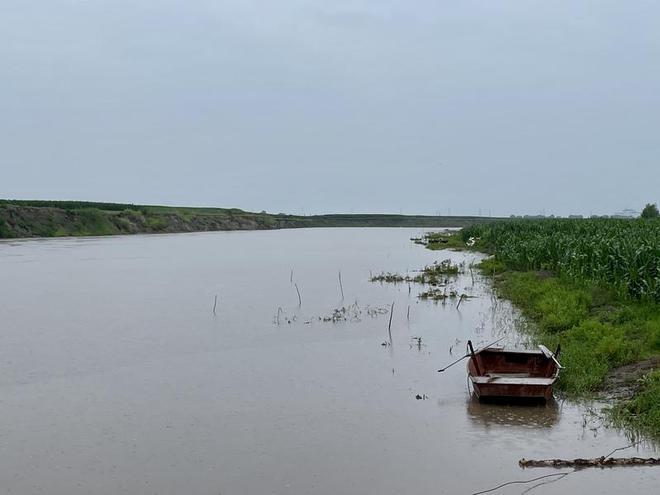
624	254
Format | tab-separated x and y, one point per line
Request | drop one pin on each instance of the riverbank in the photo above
610	347
588	286
74	218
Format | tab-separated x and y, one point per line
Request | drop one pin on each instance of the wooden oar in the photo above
468	355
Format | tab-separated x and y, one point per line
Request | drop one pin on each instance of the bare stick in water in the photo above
291	277
341	287
215	303
408	313
460	300
389	326
299	298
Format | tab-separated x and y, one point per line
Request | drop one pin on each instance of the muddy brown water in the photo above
116	377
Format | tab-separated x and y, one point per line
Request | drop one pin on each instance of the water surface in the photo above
116	376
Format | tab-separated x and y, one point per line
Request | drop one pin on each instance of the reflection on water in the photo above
536	414
118	373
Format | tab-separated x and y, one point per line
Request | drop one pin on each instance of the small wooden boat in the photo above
524	374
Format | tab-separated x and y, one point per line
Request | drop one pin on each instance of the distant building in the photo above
627	213
575	216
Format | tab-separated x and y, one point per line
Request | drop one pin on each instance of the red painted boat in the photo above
512	373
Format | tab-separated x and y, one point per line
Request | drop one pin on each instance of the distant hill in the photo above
36	218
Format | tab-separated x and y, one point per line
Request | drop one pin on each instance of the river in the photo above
187	363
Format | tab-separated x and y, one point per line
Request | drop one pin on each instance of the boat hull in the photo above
512	391
500	373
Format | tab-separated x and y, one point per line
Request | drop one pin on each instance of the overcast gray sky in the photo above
333	106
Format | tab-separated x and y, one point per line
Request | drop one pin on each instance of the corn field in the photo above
624	254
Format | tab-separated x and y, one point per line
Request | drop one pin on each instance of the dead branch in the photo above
545	482
624	448
518	482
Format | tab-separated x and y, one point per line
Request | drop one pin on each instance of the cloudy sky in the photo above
333	106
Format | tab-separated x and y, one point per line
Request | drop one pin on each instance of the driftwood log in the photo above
597	462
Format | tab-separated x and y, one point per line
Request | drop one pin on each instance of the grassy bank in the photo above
23	218
592	286
598	331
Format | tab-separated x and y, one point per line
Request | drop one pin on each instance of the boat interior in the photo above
500	363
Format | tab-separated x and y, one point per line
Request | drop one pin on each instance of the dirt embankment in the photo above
624	382
25	218
27	221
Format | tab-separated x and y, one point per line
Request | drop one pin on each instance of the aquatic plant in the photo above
435	274
389	278
439	295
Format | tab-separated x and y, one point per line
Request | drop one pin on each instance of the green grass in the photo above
597	329
643	410
157	223
69	205
436	241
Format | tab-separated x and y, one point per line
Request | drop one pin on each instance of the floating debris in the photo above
351	313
